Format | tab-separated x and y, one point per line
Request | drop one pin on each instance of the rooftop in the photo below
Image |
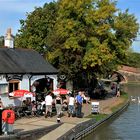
24	61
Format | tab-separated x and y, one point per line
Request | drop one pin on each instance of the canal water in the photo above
126	126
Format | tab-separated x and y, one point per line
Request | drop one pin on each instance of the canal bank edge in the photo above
31	134
83	129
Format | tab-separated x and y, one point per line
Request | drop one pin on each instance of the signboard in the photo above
62	77
14	77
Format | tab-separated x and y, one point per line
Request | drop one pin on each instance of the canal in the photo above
126	126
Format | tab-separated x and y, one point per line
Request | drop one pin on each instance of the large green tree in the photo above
90	36
35	29
83	37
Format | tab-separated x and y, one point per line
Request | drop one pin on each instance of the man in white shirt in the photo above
48	103
71	104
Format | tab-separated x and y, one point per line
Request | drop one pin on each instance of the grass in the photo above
97	117
124	96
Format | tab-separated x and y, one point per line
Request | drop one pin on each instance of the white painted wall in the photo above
3	80
24	84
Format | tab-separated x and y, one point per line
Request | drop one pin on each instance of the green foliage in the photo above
35	29
124	95
83	37
125	98
133	59
1	41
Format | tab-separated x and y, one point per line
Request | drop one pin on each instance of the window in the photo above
13	85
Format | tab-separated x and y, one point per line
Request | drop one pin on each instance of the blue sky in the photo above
134	8
11	11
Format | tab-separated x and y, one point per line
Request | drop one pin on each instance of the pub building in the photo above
23	69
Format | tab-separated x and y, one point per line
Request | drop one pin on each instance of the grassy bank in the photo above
125	98
98	117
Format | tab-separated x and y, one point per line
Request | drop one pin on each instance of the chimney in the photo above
9	39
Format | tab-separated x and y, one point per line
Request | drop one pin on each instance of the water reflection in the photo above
126	126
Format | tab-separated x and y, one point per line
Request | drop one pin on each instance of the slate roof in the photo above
24	61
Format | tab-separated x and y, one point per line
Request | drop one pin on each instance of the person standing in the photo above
58	105
8	117
118	90
1	110
113	89
79	102
48	103
71	103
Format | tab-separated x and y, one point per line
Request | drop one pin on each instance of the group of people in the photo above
28	105
71	102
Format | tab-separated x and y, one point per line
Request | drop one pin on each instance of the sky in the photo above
11	11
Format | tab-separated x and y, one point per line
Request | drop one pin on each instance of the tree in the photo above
133	59
1	41
89	37
35	29
84	38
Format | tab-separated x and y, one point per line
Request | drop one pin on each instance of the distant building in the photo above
23	69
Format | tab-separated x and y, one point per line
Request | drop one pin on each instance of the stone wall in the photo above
130	76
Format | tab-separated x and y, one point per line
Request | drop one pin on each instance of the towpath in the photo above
27	124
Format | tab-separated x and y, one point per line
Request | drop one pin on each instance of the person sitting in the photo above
65	104
24	105
33	104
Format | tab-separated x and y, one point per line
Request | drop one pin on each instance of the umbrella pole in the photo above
21	101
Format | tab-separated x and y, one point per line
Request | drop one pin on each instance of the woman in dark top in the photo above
58	105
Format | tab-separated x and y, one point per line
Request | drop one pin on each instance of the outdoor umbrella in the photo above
21	93
61	91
